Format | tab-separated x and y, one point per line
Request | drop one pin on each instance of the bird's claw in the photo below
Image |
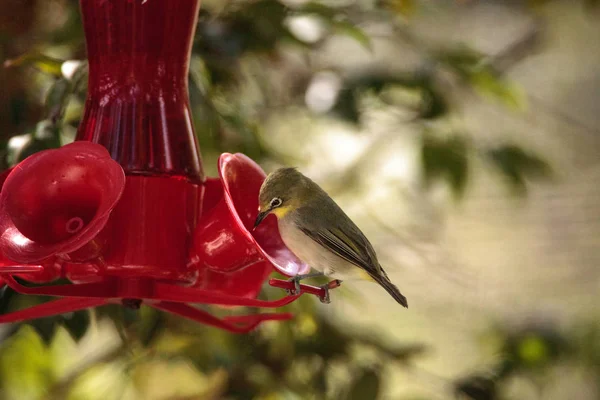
297	289
326	299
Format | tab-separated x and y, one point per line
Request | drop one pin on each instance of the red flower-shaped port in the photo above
56	201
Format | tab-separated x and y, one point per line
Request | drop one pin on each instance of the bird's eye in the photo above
276	202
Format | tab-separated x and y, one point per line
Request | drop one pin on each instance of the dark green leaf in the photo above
47	132
476	388
472	66
346	106
56	99
366	386
516	165
71	31
462	59
79	79
592	3
446	159
329	343
44	327
534	347
76	323
151	325
587	340
260	24
406	353
433	104
320	9
6	294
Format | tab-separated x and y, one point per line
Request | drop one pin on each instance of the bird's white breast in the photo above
315	255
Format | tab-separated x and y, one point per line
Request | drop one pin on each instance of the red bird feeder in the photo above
125	213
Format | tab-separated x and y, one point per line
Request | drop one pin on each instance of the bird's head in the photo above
283	191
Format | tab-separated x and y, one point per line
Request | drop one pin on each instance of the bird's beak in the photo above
259	218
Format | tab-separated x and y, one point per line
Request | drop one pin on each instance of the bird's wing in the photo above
358	251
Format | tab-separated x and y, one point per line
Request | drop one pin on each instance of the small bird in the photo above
318	232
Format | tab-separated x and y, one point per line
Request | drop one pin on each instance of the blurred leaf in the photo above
472	66
406	353
446	159
48	133
56	99
261	24
44	327
462	59
476	388
537	3
487	83
200	74
346	106
351	30
42	62
516	166
532	350
366	386
116	313
152	324
247	133
25	367
592	3
329	342
534	347
402	7
79	77
587	339
101	381
320	9
6	294
71	31
433	104
76	323
64	354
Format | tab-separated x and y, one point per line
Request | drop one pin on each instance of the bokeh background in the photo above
462	137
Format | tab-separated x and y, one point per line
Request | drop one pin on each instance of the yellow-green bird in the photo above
318	232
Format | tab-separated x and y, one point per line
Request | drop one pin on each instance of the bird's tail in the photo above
384	281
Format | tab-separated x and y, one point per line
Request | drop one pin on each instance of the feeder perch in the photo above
125	213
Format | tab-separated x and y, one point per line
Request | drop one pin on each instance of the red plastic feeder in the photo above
125	212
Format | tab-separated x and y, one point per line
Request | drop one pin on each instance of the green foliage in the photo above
25	367
516	165
448	159
39	61
476	388
366	386
402	7
475	69
346	28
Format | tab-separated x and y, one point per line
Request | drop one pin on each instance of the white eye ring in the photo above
276	202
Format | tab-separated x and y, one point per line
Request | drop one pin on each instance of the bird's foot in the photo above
326	299
296	290
296	280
